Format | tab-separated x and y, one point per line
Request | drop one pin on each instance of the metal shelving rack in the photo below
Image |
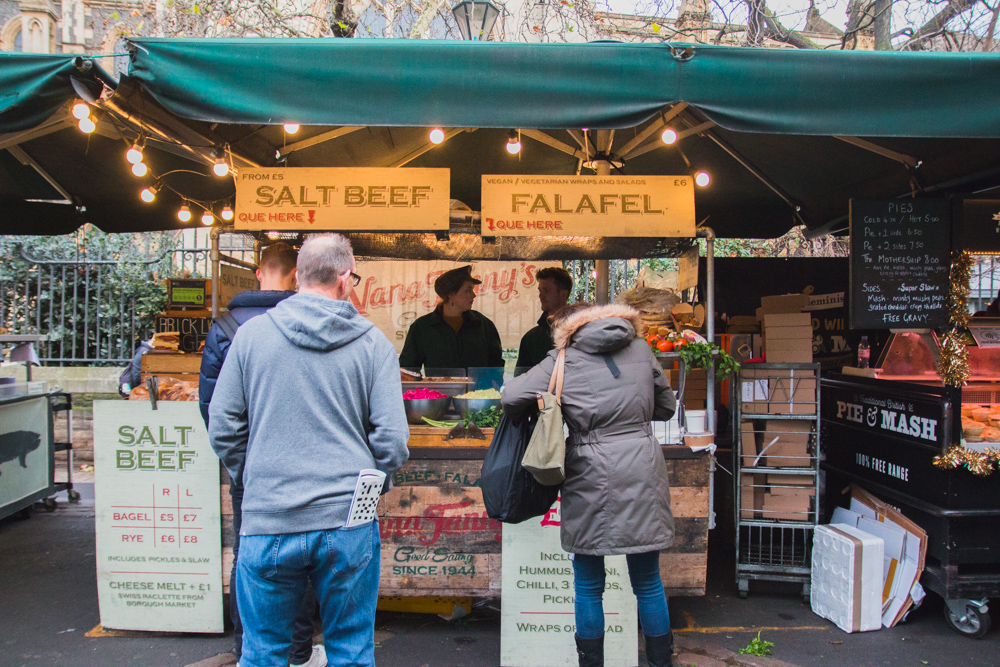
776	544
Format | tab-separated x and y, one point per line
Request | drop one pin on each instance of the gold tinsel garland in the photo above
953	364
979	463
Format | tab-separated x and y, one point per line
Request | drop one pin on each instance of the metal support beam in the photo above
428	147
28	161
552	142
708	234
216	269
602	284
318	139
909	161
652	146
652	127
61	122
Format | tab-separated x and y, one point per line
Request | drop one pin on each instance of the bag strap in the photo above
228	324
558	374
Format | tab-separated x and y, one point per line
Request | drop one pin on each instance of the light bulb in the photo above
702	179
134	154
274	236
513	143
227	213
87	125
669	136
207	218
436	136
148	195
140	169
184	213
291	128
220	168
81	110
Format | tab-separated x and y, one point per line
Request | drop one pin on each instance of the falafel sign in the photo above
341	198
588	206
159	534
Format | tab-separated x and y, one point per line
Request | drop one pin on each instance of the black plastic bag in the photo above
510	493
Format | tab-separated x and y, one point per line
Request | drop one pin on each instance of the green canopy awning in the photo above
399	82
33	86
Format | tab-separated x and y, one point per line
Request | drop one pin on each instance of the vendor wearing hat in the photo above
454	335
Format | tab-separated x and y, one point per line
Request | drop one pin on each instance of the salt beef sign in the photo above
355	199
635	206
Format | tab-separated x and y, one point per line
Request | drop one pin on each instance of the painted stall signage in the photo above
25	450
341	198
394	294
159	551
536	618
588	206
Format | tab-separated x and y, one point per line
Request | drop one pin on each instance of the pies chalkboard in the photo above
900	261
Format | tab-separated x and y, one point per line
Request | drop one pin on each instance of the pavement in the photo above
49	616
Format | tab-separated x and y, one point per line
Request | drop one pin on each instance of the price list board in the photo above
900	261
159	541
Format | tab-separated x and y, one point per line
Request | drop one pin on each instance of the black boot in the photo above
660	650
591	651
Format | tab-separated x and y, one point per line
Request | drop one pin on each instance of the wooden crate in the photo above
175	365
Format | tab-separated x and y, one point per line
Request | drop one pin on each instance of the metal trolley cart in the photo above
28	446
777	466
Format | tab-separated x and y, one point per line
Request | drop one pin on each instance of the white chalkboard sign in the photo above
900	261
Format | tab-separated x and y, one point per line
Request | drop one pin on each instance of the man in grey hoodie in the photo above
308	397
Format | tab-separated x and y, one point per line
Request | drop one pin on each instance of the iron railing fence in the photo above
94	309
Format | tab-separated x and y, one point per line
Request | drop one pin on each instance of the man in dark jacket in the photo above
276	274
554	288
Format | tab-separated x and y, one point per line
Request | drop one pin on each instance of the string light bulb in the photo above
148	195
227	213
669	136
207	218
436	136
291	128
513	143
134	154
184	213
702	179
81	110
87	125
221	167
140	169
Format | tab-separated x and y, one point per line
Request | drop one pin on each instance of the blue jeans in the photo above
302	635
643	572
343	566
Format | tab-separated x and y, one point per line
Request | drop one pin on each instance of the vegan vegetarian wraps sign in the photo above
588	206
343	199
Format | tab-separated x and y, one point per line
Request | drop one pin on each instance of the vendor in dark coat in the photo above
454	335
554	288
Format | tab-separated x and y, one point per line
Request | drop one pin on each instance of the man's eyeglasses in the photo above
355	278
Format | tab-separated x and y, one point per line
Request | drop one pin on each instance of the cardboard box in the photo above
772	391
699	440
781	333
751	498
776	479
786	444
742	324
785	357
749	448
788	345
694	404
846	577
785	303
787	320
786	508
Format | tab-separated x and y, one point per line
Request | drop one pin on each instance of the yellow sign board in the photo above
648	206
337	198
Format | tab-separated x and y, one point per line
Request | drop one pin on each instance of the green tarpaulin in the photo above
559	86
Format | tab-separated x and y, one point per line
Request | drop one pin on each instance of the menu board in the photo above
900	261
159	536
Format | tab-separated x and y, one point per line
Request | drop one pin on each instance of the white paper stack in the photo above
847	577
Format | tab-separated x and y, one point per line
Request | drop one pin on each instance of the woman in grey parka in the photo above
616	498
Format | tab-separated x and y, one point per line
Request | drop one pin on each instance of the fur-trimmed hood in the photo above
619	325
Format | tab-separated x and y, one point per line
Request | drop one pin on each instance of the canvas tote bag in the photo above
545	457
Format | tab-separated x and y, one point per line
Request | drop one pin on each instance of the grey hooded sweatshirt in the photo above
309	395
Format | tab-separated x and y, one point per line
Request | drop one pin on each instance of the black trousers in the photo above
303	633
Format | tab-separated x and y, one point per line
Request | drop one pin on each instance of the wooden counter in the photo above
438	541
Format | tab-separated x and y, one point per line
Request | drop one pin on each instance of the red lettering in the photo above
132	538
165	492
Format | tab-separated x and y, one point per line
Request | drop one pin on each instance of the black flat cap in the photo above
450	282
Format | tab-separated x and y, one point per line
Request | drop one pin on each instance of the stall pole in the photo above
602	282
708	234
215	272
